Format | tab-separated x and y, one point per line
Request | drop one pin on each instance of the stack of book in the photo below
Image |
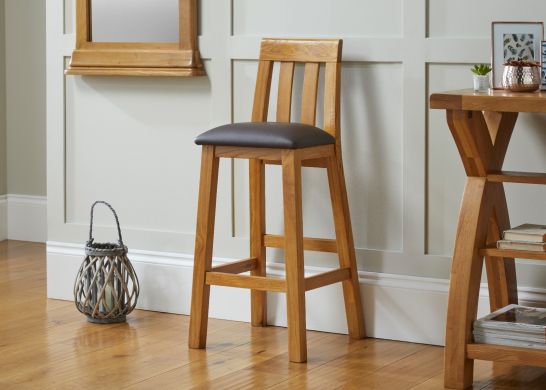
526	237
513	325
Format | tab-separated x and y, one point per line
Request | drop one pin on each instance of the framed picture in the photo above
514	41
543	65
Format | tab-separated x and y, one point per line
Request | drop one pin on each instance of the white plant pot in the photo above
481	83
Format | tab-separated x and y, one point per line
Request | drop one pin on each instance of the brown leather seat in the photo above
266	135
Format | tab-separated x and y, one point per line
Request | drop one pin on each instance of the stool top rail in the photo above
301	50
494	100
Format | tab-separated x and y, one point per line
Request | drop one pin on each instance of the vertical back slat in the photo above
261	93
284	97
332	76
309	97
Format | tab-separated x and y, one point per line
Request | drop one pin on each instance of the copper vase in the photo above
521	78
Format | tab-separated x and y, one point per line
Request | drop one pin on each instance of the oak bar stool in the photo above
293	145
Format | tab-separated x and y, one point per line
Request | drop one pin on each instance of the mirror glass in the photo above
134	20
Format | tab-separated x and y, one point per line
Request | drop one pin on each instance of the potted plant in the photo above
481	77
521	76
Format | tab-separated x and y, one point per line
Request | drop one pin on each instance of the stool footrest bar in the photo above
242	281
237	267
327	278
309	244
312	163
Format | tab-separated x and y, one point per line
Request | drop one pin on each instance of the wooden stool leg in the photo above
466	270
346	249
258	299
204	237
295	278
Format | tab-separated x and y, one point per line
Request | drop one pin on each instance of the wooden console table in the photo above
482	125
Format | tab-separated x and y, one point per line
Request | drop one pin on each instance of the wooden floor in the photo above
47	344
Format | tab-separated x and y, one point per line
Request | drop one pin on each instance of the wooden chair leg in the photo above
204	237
295	278
346	248
258	299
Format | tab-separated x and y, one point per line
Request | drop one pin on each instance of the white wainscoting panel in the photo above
69	16
471	19
126	136
310	18
372	134
445	171
26	217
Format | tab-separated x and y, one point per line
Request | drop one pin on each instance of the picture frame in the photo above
543	66
513	41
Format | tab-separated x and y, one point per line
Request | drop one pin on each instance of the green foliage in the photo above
481	69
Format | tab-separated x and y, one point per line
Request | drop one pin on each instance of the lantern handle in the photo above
120	239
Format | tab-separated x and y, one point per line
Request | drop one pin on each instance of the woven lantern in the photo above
106	287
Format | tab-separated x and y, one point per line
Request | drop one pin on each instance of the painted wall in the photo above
25	91
3	169
130	141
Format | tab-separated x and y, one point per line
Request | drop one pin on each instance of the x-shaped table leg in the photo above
482	139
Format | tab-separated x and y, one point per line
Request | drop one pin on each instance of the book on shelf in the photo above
527	232
515	317
486	335
510	342
513	325
522	245
532	335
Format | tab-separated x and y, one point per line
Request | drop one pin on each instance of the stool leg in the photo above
295	279
258	299
204	237
346	248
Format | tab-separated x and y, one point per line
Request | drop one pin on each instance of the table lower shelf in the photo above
492	251
506	354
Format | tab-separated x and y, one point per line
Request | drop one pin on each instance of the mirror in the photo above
134	21
136	38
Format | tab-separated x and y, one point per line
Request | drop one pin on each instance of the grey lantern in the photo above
106	287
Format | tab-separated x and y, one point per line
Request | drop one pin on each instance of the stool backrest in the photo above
312	52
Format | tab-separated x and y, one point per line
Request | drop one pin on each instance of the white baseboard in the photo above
26	217
397	307
3	218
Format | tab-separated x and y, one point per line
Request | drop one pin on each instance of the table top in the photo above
494	100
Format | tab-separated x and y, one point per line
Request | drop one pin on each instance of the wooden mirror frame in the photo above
140	58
